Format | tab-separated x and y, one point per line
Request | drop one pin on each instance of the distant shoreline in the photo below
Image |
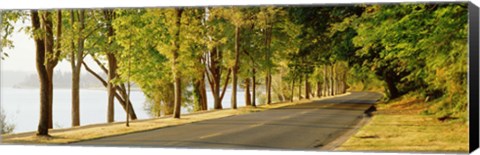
17	87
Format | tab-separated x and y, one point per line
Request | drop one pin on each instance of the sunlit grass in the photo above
399	126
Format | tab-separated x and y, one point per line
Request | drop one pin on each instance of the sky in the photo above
22	56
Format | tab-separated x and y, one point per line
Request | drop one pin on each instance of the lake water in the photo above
21	107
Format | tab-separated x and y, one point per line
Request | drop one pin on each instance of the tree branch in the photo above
99	64
226	83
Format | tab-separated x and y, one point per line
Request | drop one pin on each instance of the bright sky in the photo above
22	56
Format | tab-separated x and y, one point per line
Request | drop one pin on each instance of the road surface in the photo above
300	127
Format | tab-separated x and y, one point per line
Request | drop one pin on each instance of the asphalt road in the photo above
300	127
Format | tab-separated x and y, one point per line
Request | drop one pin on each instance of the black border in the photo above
473	43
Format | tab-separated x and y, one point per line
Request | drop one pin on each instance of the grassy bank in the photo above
401	125
62	136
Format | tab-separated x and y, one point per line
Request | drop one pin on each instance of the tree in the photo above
217	29
109	16
176	75
80	30
76	63
52	53
266	17
148	65
42	74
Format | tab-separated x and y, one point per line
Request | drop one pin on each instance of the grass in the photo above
64	136
399	126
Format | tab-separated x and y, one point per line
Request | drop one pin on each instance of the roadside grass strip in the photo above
398	126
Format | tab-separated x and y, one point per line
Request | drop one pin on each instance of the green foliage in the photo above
5	127
403	48
8	20
415	47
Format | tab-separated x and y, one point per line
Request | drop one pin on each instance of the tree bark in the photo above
293	89
235	68
51	60
109	15
254	89
199	93
345	83
112	67
268	78
331	81
307	88
325	82
42	129
248	101
392	88
77	61
268	87
214	76
319	89
176	74
300	88
200	87
203	92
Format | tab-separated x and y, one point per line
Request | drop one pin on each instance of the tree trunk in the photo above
300	88
344	82
176	74
268	87
248	101
339	81
75	98
203	93
47	23
293	89
76	71
109	15
51	60
254	89
215	76
235	68
325	82
217	103
331	81
307	88
215	57
200	87
43	77
112	67
199	97
319	89
392	88
268	79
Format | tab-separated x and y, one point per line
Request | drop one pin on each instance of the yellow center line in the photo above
255	125
211	135
286	117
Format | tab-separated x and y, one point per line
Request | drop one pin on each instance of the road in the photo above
300	127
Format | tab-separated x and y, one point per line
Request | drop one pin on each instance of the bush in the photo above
5	127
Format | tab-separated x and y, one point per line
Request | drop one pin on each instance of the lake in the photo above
21	106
